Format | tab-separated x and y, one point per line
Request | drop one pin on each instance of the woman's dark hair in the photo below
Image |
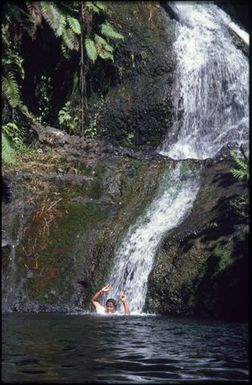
113	301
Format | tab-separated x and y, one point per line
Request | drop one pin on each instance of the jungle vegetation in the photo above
50	50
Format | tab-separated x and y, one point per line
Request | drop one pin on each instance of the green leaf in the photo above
103	53
74	25
100	5
90	5
91	49
8	153
108	30
70	39
10	89
61	26
102	42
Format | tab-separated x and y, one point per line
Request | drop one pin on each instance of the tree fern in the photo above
8	153
108	30
91	49
10	89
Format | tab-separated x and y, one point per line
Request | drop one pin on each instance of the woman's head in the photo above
111	305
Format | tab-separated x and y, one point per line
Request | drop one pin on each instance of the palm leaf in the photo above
91	49
108	30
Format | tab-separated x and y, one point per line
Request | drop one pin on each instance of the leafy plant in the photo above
8	153
11	142
67	120
91	131
240	172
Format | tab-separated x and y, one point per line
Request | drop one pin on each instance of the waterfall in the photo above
210	112
134	258
211	91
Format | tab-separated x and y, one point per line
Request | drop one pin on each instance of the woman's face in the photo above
110	308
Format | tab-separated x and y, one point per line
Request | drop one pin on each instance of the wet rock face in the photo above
137	107
65	221
201	267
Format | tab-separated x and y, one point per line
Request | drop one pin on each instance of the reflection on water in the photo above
87	348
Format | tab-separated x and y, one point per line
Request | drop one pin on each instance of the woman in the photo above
110	306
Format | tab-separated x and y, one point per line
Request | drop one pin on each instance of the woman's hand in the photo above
123	297
106	288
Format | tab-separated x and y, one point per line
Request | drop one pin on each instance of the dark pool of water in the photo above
119	349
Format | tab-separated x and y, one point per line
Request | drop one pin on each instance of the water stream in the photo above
210	112
211	91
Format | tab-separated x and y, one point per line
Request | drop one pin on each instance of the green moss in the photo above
223	252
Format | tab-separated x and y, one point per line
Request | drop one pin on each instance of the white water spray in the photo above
134	258
211	91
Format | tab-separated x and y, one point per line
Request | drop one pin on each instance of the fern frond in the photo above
100	5
99	40
10	89
11	58
51	15
239	161
92	7
91	49
74	25
8	153
108	30
70	39
242	169
13	133
61	25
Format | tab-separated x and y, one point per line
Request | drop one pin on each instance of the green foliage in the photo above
10	89
109	31
91	49
13	132
11	142
67	120
74	24
241	172
104	49
8	153
97	45
91	130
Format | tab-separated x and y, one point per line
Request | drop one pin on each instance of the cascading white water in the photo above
211	110
134	258
211	91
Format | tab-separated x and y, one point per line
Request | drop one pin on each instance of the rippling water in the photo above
119	349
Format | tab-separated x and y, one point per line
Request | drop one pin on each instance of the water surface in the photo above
119	349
